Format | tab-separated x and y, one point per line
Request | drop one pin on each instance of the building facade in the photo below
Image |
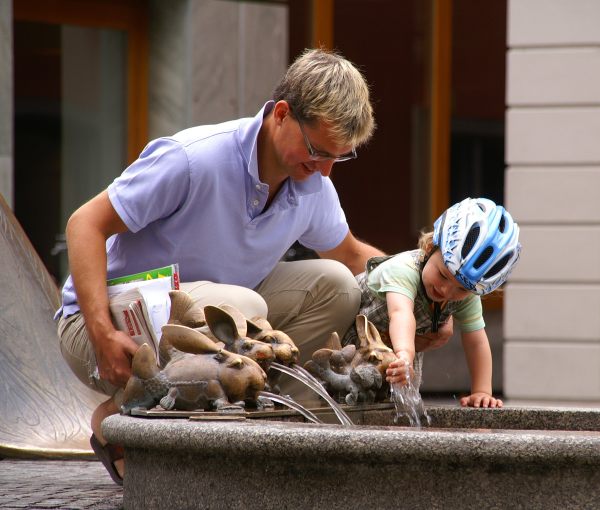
211	60
552	306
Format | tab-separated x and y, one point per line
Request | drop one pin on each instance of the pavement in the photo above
57	484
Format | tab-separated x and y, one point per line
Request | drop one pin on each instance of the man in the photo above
226	202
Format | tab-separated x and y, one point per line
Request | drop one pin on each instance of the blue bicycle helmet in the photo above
479	242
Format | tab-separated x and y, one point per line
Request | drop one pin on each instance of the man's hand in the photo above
114	355
432	341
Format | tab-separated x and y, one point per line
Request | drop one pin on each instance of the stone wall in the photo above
6	101
552	319
212	61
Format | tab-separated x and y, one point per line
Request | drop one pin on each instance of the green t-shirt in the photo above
402	274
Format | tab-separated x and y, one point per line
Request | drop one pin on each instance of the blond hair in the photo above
322	85
425	243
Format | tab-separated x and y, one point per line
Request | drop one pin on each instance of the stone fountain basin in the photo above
463	461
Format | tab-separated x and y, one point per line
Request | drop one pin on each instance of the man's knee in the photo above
247	301
338	282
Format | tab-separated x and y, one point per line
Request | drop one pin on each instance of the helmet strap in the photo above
434	307
435	317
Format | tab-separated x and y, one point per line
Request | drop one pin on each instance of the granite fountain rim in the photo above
360	443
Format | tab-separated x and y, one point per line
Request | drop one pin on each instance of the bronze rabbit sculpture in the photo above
354	374
253	338
208	360
200	375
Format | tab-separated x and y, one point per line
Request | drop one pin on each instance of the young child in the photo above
471	252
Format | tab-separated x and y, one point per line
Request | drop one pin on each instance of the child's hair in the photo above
426	242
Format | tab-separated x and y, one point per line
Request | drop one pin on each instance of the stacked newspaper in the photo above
140	303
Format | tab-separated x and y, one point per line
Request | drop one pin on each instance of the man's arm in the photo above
87	231
353	253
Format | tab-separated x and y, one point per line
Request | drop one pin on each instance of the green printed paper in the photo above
171	271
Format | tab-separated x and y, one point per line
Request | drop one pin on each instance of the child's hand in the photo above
398	370
480	399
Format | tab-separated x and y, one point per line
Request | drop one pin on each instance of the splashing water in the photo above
297	372
408	402
291	403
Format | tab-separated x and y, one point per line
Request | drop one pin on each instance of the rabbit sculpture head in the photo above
350	373
331	365
228	325
371	349
223	324
283	346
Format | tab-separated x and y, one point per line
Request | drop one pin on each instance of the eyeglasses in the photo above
316	155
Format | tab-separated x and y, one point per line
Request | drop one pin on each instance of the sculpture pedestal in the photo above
271	464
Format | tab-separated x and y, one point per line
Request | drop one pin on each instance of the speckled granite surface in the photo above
266	464
541	418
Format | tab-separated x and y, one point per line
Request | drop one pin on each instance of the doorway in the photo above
76	122
390	193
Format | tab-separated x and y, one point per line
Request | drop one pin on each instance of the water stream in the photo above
297	372
408	402
291	403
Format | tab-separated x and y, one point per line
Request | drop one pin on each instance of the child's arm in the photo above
402	335
479	360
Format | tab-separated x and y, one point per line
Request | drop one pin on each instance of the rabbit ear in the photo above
373	335
322	356
221	324
334	342
252	328
238	317
187	339
261	322
184	311
348	352
362	330
234	362
144	363
375	341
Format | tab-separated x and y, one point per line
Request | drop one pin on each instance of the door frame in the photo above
131	16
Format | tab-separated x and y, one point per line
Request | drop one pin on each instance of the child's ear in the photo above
431	248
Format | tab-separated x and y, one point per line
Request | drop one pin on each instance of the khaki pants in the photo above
308	299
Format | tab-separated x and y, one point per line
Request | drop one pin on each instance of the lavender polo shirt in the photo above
196	199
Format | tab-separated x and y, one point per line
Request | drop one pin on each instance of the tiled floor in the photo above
57	484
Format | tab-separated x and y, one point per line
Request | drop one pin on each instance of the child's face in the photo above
439	283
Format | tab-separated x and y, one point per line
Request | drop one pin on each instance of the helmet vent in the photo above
486	254
502	224
470	241
498	266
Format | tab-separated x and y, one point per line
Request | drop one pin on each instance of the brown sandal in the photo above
108	454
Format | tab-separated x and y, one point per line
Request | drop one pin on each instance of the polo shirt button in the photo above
255	203
258	186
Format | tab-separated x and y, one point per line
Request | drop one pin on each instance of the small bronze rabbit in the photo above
254	338
354	374
200	375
